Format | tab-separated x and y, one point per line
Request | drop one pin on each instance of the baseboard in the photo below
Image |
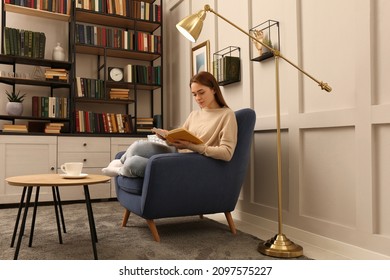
314	246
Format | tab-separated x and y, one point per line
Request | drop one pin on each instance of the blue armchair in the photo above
185	184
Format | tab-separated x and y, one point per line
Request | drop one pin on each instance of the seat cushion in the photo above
130	185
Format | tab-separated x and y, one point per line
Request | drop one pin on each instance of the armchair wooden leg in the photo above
230	221
153	229
201	216
126	216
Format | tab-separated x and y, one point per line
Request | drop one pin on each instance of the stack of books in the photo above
53	127
53	74
119	93
144	124
15	128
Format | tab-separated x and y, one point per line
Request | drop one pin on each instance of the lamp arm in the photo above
324	86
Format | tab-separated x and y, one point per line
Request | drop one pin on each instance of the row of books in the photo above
50	107
24	43
55	6
135	9
146	11
90	88
117	38
143	74
227	68
91	122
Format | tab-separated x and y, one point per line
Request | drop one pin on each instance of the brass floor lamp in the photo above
279	245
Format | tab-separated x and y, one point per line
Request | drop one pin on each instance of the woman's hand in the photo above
160	131
180	144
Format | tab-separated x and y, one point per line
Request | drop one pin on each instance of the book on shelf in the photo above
57	6
144	124
143	74
177	134
53	127
111	37
135	9
91	122
55	74
50	107
15	128
90	88
19	42
119	93
227	68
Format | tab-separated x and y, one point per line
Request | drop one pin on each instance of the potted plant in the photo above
14	106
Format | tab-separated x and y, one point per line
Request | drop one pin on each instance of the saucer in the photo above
66	176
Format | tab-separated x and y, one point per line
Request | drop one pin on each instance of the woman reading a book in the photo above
215	124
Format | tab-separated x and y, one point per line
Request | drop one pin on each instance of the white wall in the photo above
335	153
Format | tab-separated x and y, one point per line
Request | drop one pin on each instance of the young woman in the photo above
215	123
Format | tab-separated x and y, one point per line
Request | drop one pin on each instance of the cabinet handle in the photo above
85	144
52	168
85	160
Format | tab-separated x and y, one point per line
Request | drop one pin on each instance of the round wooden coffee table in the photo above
28	182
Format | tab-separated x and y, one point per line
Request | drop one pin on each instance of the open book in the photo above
177	134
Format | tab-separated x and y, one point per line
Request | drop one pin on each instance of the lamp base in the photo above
281	247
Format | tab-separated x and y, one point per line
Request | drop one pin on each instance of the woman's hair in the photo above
208	80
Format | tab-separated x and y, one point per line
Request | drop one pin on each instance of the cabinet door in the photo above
94	152
25	155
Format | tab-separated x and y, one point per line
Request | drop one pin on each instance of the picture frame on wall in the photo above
201	58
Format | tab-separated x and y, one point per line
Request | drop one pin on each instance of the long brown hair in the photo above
208	80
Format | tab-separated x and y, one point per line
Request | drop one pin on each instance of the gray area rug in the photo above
187	238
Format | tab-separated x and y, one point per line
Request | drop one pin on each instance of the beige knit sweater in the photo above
218	130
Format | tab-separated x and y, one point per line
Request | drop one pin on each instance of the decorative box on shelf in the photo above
226	65
268	33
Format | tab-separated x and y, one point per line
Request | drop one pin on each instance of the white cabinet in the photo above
27	154
24	155
94	152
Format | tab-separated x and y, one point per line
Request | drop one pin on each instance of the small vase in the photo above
58	53
14	108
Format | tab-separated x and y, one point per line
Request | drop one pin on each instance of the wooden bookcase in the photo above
145	100
15	78
110	39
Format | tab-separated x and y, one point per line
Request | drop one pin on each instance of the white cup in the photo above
72	168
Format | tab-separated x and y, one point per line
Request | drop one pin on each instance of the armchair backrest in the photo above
238	165
246	119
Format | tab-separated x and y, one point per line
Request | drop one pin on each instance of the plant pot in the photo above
14	108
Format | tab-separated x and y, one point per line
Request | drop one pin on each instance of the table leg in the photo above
57	216
22	226
34	216
18	216
60	206
91	220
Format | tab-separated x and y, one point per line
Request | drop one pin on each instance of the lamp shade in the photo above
191	26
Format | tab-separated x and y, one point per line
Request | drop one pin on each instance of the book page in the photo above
178	134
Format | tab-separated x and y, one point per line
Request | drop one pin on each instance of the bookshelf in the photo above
132	40
20	62
128	37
